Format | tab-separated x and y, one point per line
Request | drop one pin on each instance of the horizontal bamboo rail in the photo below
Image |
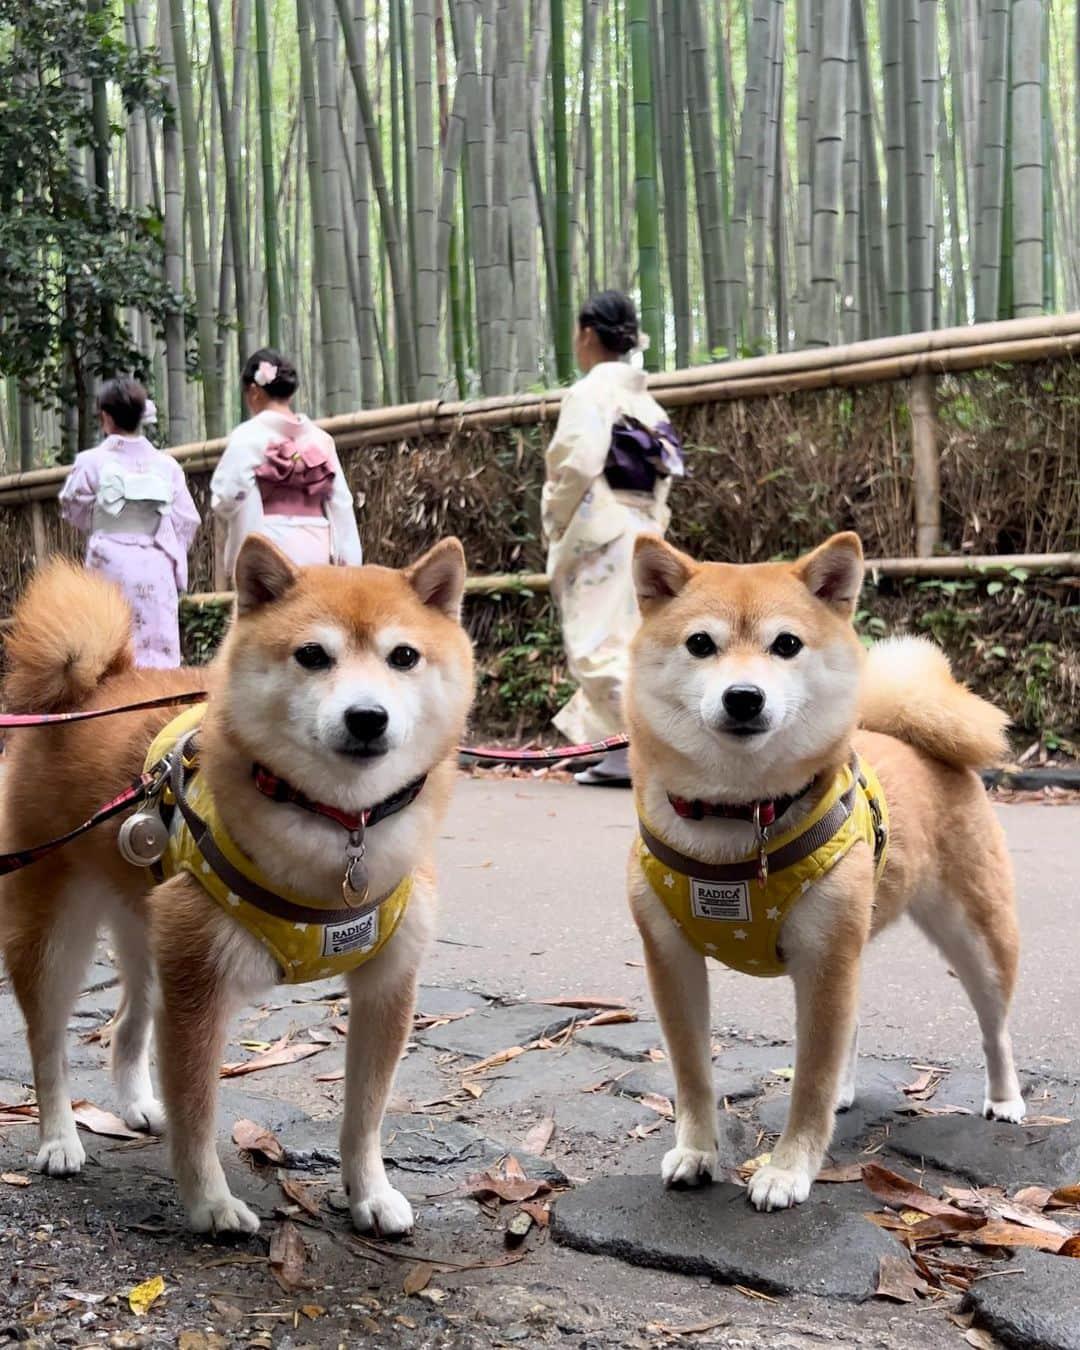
882	359
943	567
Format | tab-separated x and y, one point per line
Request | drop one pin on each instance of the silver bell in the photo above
143	839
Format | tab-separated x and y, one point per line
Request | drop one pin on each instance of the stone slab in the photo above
498	1028
990	1152
627	1040
660	1078
1037	1310
813	1249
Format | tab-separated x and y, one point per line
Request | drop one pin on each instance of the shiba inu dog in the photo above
325	759
795	797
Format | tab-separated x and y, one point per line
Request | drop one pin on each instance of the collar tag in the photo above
764	815
355	885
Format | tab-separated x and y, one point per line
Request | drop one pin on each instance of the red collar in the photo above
278	790
763	813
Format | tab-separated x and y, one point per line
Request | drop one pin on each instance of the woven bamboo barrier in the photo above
880	360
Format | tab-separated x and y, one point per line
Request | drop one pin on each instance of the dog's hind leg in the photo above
47	965
985	964
134	1020
380	1019
679	983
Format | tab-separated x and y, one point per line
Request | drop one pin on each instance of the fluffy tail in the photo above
69	632
909	692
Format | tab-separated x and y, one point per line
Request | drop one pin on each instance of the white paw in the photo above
384	1211
779	1187
845	1099
145	1113
223	1214
688	1166
1014	1110
62	1157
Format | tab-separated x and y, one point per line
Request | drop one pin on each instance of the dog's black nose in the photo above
366	724
743	702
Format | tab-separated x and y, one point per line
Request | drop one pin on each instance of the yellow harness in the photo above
725	911
305	948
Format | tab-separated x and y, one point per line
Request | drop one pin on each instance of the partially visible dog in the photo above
795	799
345	686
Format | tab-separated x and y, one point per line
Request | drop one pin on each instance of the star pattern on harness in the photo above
772	912
669	880
739	935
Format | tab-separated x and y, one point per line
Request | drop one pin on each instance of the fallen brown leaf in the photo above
475	1090
999	1234
539	1212
1030	1218
899	1193
982	1340
687	1328
301	1195
493	1061
538	1138
927	1083
754	1293
1063	1196
508	1187
1071	1247
288	1257
1036	1197
256	1140
657	1102
583	1003
843	1172
281	1052
97	1121
609	1018
417	1277
899	1280
14	1179
17	1113
334	1076
944	1225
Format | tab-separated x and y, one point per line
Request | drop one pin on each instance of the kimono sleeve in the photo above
79	493
341	512
575	457
234	496
186	518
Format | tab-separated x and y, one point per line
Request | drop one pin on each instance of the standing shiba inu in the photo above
780	838
324	765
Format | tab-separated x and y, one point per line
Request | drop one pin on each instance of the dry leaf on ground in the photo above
281	1052
584	1003
1012	1212
417	1277
899	1280
334	1076
17	1113
1035	1197
982	1340
143	1295
538	1138
492	1061
257	1141
14	1179
301	1195
1063	1196
999	1234
927	1083
841	1172
687	1329
288	1257
899	1193
538	1211
657	1102
511	1185
611	1017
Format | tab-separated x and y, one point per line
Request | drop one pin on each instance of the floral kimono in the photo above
280	477
609	470
133	502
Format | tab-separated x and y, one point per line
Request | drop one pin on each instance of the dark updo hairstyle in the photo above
124	400
284	384
612	317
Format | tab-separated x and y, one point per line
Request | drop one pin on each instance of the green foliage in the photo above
70	260
201	629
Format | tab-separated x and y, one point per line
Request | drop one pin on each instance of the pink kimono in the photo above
134	503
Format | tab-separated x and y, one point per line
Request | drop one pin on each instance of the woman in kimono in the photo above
609	470
280	475
133	502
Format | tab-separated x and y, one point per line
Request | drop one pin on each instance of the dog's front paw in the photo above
62	1157
384	1211
1014	1110
774	1187
145	1113
222	1214
688	1166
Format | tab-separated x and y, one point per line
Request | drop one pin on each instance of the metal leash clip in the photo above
355	885
144	837
762	832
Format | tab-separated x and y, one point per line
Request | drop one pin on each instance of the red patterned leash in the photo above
11	720
493	754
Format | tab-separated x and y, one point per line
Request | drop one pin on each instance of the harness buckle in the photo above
144	836
355	885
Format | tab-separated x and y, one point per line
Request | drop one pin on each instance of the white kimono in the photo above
332	536
590	529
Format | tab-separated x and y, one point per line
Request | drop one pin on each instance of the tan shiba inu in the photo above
795	797
337	690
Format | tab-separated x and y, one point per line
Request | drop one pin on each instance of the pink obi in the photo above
294	479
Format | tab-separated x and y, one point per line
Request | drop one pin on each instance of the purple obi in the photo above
294	479
639	455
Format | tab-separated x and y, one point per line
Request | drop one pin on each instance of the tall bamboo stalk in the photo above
828	158
424	264
647	208
1027	157
266	154
564	316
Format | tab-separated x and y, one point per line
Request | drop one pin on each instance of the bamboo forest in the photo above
414	196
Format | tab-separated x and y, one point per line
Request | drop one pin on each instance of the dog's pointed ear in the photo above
660	571
263	574
834	573
438	578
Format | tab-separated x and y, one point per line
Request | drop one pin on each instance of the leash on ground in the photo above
148	783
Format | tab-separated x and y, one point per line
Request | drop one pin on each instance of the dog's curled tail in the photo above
909	692
70	630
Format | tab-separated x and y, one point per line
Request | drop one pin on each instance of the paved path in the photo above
533	909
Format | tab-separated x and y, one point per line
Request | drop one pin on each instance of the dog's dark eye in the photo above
403	657
786	646
700	645
313	657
